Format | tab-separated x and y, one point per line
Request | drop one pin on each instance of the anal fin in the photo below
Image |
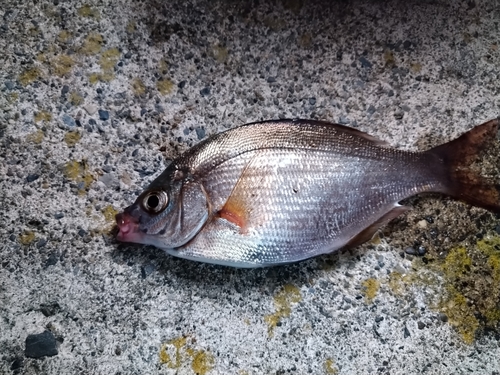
368	233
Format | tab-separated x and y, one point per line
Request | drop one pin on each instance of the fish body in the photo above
277	192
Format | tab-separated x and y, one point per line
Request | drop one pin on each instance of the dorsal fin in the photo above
349	130
275	134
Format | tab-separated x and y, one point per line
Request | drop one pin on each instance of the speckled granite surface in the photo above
96	97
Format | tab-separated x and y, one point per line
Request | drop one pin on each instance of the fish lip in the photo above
128	228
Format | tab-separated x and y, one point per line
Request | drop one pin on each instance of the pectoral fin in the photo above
236	213
368	233
239	207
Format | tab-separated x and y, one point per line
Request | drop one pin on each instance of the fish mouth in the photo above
128	228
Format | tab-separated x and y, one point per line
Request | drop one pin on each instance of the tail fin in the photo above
463	182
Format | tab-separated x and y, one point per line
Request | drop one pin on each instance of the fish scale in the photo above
277	192
296	226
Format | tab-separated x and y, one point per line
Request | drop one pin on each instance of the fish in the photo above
282	191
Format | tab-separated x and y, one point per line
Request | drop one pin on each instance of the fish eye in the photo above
155	201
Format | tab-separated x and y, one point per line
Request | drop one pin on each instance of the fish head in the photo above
168	214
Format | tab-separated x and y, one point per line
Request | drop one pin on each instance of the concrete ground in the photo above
97	96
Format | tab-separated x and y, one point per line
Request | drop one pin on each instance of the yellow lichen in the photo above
164	357
34	32
305	40
87	11
416	67
370	289
490	247
178	343
27	237
460	314
220	53
138	87
107	61
396	283
106	77
461	285
389	58
75	98
43	116
102	77
283	304
131	27
72	138
94	78
494	263
202	362
468	295
92	44
62	65
41	57
64	36
78	172
72	169
330	367
87	180
109	58
164	86
109	213
29	76
492	315
13	97
36	137
457	263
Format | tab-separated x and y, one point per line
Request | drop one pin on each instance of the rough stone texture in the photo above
96	97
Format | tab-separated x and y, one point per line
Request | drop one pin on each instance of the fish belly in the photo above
275	206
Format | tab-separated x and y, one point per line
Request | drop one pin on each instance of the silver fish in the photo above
278	192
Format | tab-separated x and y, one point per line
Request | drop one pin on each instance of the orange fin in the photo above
237	210
368	233
236	213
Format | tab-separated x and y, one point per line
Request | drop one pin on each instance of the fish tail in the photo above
462	181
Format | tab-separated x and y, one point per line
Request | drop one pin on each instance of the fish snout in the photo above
128	226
